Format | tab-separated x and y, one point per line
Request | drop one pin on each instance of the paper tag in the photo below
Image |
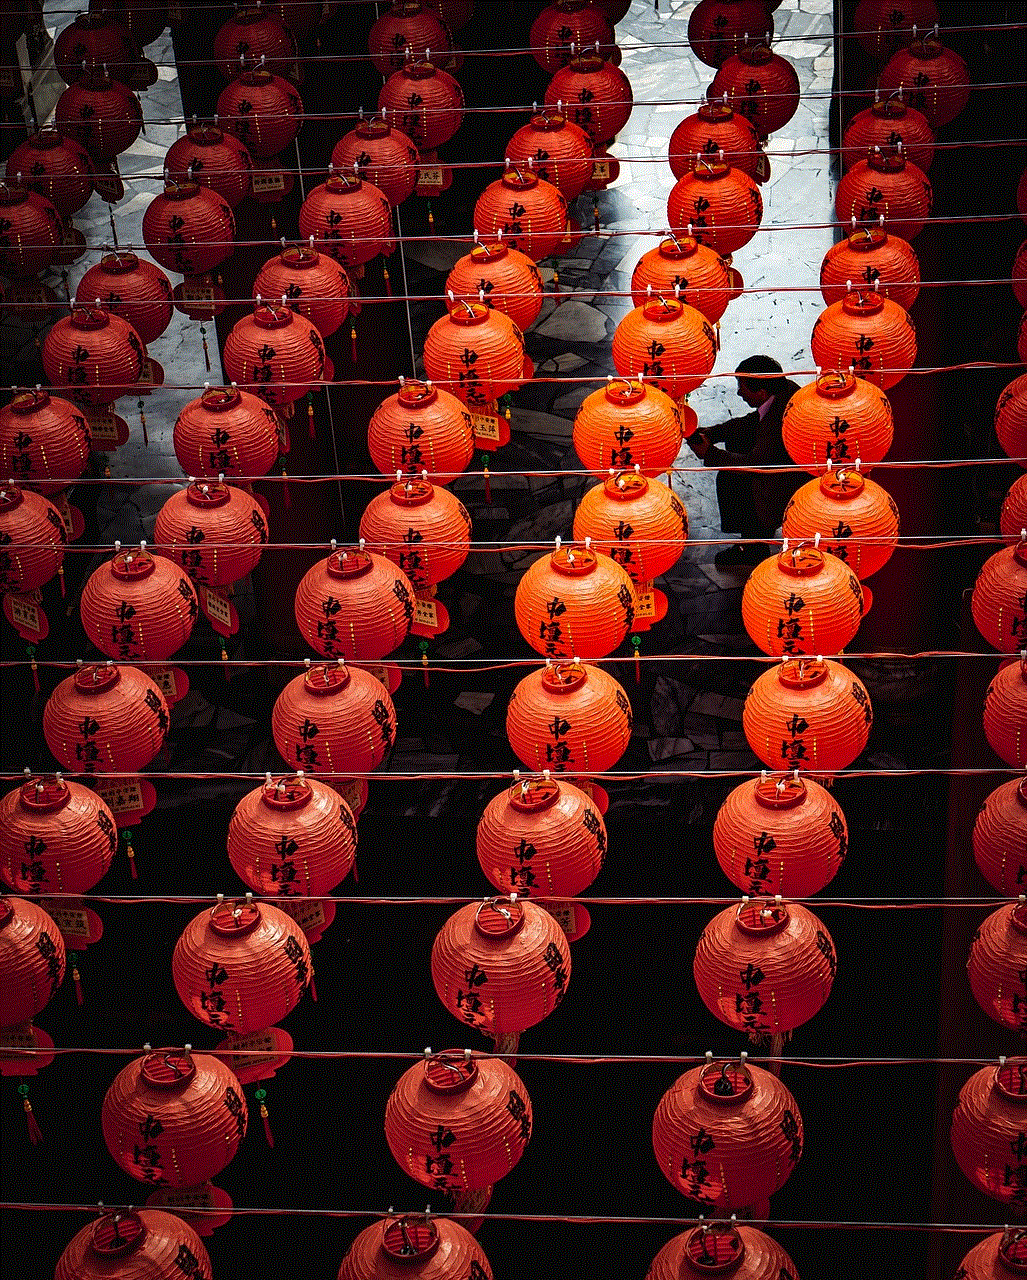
353	793
164	679
762	168
430	177
380	673
600	171
252	1050
426	613
219	609
563	914
485	426
193	293
23	1036
25	616
308	915
201	1197
103	430
265	181
73	922
645	601
124	795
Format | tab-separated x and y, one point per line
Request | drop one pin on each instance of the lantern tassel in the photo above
310	415
206	349
353	342
424	661
76	978
488	481
260	1097
431	219
31	651
130	853
142	423
35	1133
595	215
60	575
388	282
636	642
286	500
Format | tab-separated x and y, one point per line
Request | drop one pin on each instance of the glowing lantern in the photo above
380	155
668	343
715	129
760	85
1005	713
1000	1255
934	79
747	1124
718	29
480	1101
348	218
591	712
354	605
31	232
873	257
32	538
1011	419
987	1124
262	110
574	602
427	1248
138	605
557	150
54	167
731	1249
808	712
885	185
508	278
93	355
595	95
135	1244
780	835
44	441
1000	837
228	432
718	205
405	30
477	352
565	26
424	530
315	285
69	830
837	418
529	213
884	26
1014	509
802	601
105	719
189	229
998	964
276	352
130	287
100	114
32	960
856	519
683	266
254	35
424	102
215	531
334	719
93	39
999	600
213	158
886	123
421	426
628	423
868	334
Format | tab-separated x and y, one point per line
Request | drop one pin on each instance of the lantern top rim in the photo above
286	792
181	189
119	262
518	180
1018	917
132	565
499	918
342	183
44	795
254	76
1020	553
625	486
588	62
234	919
564	677
326	680
204	134
45	138
414	394
97	678
662	309
299	257
802	673
926	47
761	921
833	384
250	14
726	1083
372	128
780	793
708	170
867	239
10	497
167	1068
534	795
411	1238
677	247
469	313
1010	1079
90	318
802	561
890	108
715	112
862	302
547	121
886	161
714	1249
450	1071
266	316
12	193
414	491
756	54
489	251
117	1234
6	912
220	399
349	562
843	484
29	401
1021	791
624	391
573	562
207	493
1012	1250
419	69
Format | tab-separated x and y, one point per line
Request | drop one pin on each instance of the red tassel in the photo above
353	342
267	1125
431	219
206	349
310	415
286	500
637	642
60	575
388	282
130	853
142	421
595	215
35	665
424	661
488	487
76	977
35	1133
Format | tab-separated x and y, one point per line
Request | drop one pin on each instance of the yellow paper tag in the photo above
426	613
23	1036
72	921
430	177
123	796
257	1048
263	182
563	914
164	679
352	793
24	614
102	428
183	1197
645	601
191	293
380	673
600	171
308	915
218	607
146	374
485	426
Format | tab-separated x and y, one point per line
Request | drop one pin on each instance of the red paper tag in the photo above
257	1056
129	799
26	616
80	926
219	611
106	430
15	1045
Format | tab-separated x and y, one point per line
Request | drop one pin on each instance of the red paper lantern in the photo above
564	27
727	1134
998	964
883	26
518	958
213	158
334	719
422	427
55	837
454	13
190	1109
31	232
276	352
638	522
481	1102
857	520
1000	1255
348	218
262	110
145	22
227	432
100	114
424	102
215	531
130	287
987	1124
884	125
529	213
666	342
354	605
54	167
44	441
189	229
694	270
1005	713
720	206
424	530
802	601
569	718
414	1248
406	30
134	1244
873	257
381	155
94	39
807	713
1000	837
715	128
1021	339
628	423
138	605
32	540
93	355
32	960
760	85
1011	419
477	352
105	719
595	95
999	600
718	29
574	602
722	1248
253	36
885	185
1014	509
837	418
934	79
869	334
1020	275
315	285
541	835
780	835
509	280
557	150
292	835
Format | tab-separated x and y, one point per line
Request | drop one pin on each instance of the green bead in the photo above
259	1095
23	1091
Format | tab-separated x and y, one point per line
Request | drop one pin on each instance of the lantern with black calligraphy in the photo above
145	22
354	605
420	427
44	441
837	418
760	85
780	835
802	601
518	958
405	30
275	352
32	960
348	218
666	342
138	605
55	837
999	600
998	964
934	79
1005	713
215	531
1011	419
594	94
93	356
569	717
415	1248
1013	516
135	1244
885	185
808	713
1000	1256
1000	837
479	1105
253	35
262	110
565	26
857	520
509	280
31	231
527	211
728	1135
867	333
227	432
574	602
314	285
718	205
873	257
189	229
715	129
557	150
685	264
93	39
54	167
717	29
381	155
292	835
724	1249
628	423
100	114
424	102
989	1122
130	287
764	967
884	125
334	719
213	158
105	719
884	26
32	540
476	352
424	530
542	835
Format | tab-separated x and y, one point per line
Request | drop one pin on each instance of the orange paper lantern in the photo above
421	427
94	356
715	128
885	185
1005	713
987	1131
334	719
262	110
227	432
424	530
639	523
55	167
569	718
253	35
1000	837
189	228
415	1248
718	205
594	93
276	352
999	600
722	1248
44	441
527	211
556	149
666	342
215	531
315	287
760	85
424	102
566	26
802	601
717	29
100	114
837	418
1000	1255
628	423
509	280
688	269
997	966
130	287
32	960
574	602
808	713
354	605
476	352
885	124
405	30
1014	509
884	26
934	79
868	334
138	605
348	218
105	719
380	155
213	158
55	837
873	257
31	232
856	519
32	540
134	1244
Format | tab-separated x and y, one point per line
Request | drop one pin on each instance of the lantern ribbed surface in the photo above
694	268
574	602
802	601
414	1248
501	966
764	967
455	1123
988	1124
1019	274
999	600
253	34
884	26
885	124
424	102
174	1118
727	1136
105	719
780	835
475	352
334	719
1011	419
275	352
54	167
262	110
639	523
137	1244
808	713
667	343
213	158
868	333
56	836
241	966
229	432
348	218
354	605
314	285
215	531
1005	714
717	29
94	39
508	278
100	114
733	1249
560	152
1021	339
996	1258
997	966
837	418
384	156
32	539
1000	837
421	427
564	27
93	356
138	605
886	185
933	79
405	30
424	530
32	960
595	94
760	85
1014	509
628	423
189	228
130	287
292	835
145	22
530	213
872	257
714	128
569	718
857	520
718	205
32	232
44	441
542	835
